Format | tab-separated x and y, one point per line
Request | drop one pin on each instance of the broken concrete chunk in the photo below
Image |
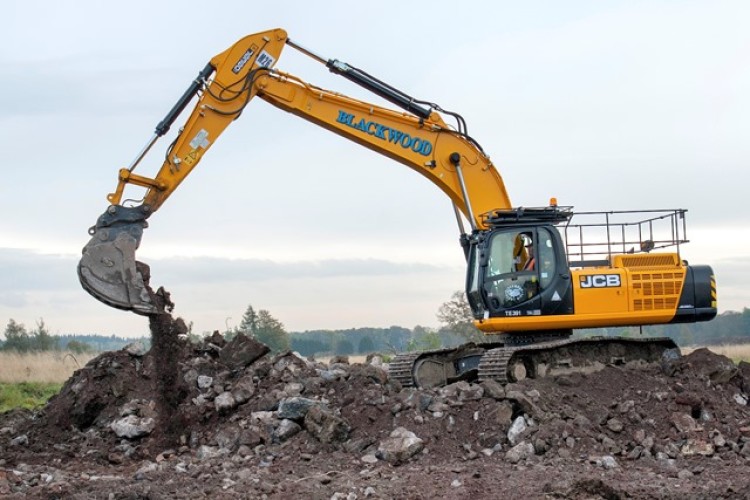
132	426
286	429
224	402
242	351
295	408
204	382
399	447
521	451
516	429
325	426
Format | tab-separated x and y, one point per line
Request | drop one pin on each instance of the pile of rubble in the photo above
281	426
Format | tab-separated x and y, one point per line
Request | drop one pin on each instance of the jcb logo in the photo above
600	280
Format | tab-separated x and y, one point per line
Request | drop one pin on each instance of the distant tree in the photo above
344	347
424	339
41	338
456	315
20	340
16	337
366	345
265	328
78	347
249	323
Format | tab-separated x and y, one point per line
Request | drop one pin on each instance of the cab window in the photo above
511	277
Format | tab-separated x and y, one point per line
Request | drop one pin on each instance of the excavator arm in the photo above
417	137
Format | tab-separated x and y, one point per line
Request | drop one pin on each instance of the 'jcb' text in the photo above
600	280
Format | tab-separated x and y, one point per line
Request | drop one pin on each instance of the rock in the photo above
438	406
493	389
504	414
683	422
191	376
374	359
399	447
250	437
525	403
615	425
697	447
685	474
224	402
22	440
740	399
206	453
610	445
369	458
325	426
136	349
132	426
606	461
228	437
242	351
294	389
516	429
243	390
286	429
521	451
204	382
144	469
452	390
471	393
743	372
263	417
332	375
295	408
717	368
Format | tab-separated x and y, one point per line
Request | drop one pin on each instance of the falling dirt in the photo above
236	423
165	347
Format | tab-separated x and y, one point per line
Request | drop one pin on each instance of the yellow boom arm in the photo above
417	137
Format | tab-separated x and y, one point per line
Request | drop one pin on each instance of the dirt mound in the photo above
227	419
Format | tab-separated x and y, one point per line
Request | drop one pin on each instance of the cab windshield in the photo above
512	276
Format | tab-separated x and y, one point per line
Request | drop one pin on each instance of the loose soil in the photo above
227	420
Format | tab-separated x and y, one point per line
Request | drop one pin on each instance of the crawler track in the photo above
510	363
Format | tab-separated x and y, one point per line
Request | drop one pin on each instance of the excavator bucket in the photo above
108	269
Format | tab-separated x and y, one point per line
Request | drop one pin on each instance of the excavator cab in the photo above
533	270
518	267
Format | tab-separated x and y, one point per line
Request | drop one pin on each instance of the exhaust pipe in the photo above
108	269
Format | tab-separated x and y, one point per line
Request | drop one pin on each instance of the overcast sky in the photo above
607	105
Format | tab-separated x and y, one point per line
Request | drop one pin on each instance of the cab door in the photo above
524	272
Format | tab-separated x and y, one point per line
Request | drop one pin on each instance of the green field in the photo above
28	395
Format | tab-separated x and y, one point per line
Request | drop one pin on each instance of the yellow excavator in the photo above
534	273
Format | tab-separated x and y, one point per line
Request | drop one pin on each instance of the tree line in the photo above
456	327
38	339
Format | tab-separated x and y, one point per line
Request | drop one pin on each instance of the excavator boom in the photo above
417	137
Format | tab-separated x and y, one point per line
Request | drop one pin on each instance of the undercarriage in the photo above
510	361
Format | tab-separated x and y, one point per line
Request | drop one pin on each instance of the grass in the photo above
51	367
29	380
27	395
